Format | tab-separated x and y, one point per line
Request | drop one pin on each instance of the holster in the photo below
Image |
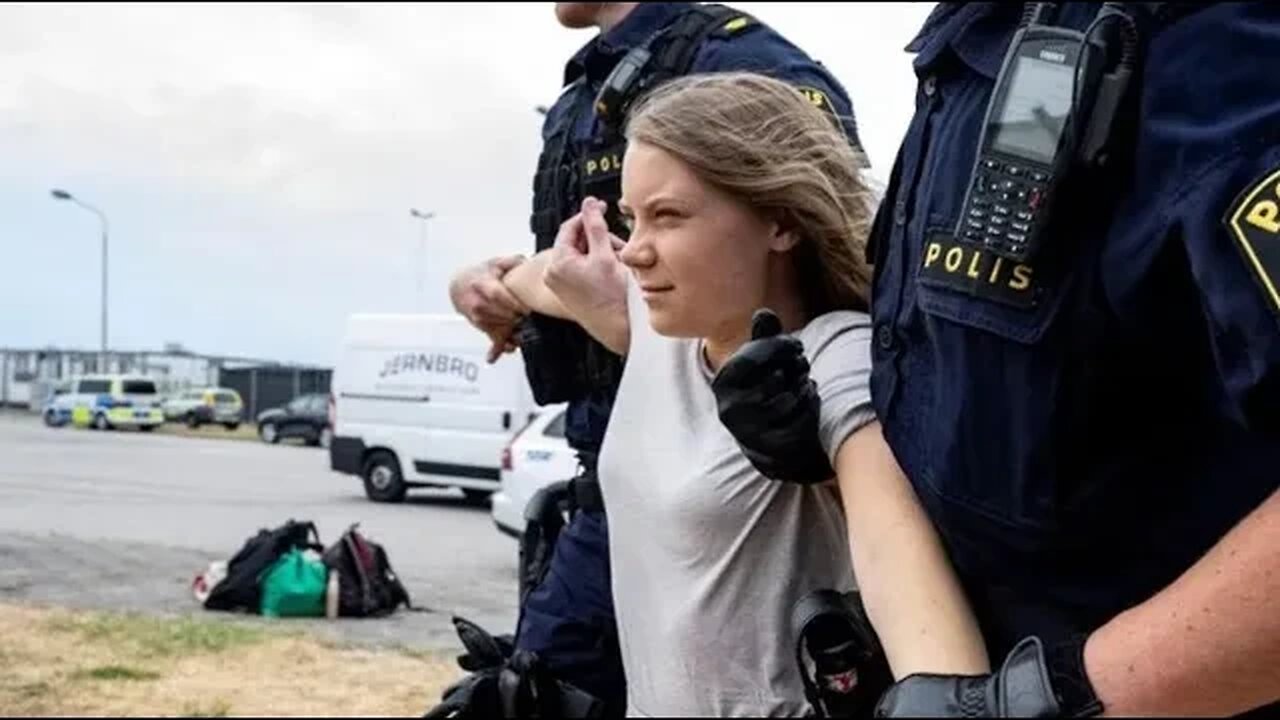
850	671
555	358
545	518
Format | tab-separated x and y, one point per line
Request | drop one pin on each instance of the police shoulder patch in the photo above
1253	220
817	98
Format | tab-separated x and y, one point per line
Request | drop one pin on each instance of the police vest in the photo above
565	176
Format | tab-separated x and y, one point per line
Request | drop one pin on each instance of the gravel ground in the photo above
124	520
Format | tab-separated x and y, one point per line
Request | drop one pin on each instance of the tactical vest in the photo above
565	175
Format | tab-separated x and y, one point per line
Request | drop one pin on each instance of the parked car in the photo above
306	417
104	402
416	405
538	456
203	406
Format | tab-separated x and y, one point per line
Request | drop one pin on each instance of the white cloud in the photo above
282	145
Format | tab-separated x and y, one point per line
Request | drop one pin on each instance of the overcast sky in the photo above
257	163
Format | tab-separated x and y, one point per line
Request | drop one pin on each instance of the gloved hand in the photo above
768	402
505	682
1021	688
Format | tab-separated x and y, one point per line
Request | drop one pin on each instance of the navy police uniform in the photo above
567	617
1083	426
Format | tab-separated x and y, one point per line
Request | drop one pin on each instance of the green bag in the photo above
294	586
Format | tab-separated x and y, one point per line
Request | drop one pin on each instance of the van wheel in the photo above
382	479
192	421
100	422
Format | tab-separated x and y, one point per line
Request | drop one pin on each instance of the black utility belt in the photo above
585	487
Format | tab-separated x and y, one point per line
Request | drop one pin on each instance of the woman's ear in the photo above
783	238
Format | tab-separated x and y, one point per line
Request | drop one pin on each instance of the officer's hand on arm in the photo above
1021	688
479	295
588	279
770	405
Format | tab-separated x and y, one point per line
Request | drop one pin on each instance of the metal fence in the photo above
263	388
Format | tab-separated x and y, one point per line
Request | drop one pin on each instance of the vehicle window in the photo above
298	405
224	398
139	387
555	428
60	390
319	404
95	387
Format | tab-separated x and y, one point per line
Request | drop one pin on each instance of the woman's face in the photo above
700	256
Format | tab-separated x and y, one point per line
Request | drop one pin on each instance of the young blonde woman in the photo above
742	195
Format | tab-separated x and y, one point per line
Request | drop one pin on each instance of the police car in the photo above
538	456
104	402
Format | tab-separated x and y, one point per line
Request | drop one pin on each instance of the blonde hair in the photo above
763	142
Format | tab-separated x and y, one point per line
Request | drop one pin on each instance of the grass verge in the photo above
61	662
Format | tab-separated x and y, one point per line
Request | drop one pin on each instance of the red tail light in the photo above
333	413
506	458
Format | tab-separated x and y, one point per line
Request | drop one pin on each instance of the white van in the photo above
414	404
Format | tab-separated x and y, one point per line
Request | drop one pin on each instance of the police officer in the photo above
1095	429
566	627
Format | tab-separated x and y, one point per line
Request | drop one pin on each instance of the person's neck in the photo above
782	296
611	14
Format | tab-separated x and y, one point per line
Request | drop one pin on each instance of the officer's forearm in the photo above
908	587
1209	644
526	283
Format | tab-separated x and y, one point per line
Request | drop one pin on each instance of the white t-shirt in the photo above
708	555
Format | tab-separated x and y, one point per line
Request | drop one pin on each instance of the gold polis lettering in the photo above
1021	277
591	166
955	256
932	253
995	270
975	263
1265	214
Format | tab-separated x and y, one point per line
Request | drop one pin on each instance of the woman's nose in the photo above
637	252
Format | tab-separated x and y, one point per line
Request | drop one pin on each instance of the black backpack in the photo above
367	586
240	589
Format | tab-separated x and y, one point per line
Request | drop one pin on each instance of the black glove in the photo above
770	405
504	682
1021	688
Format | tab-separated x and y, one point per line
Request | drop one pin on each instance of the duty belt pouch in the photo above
543	523
850	670
554	352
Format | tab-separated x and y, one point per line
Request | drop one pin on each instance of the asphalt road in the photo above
124	520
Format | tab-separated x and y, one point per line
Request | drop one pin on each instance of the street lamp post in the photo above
422	248
102	218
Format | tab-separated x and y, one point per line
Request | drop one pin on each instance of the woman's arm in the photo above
525	281
912	595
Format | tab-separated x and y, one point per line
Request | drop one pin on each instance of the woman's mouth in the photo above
651	290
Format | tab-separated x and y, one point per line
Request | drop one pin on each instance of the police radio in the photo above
1052	110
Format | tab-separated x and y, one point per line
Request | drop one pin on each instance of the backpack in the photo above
367	586
241	589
